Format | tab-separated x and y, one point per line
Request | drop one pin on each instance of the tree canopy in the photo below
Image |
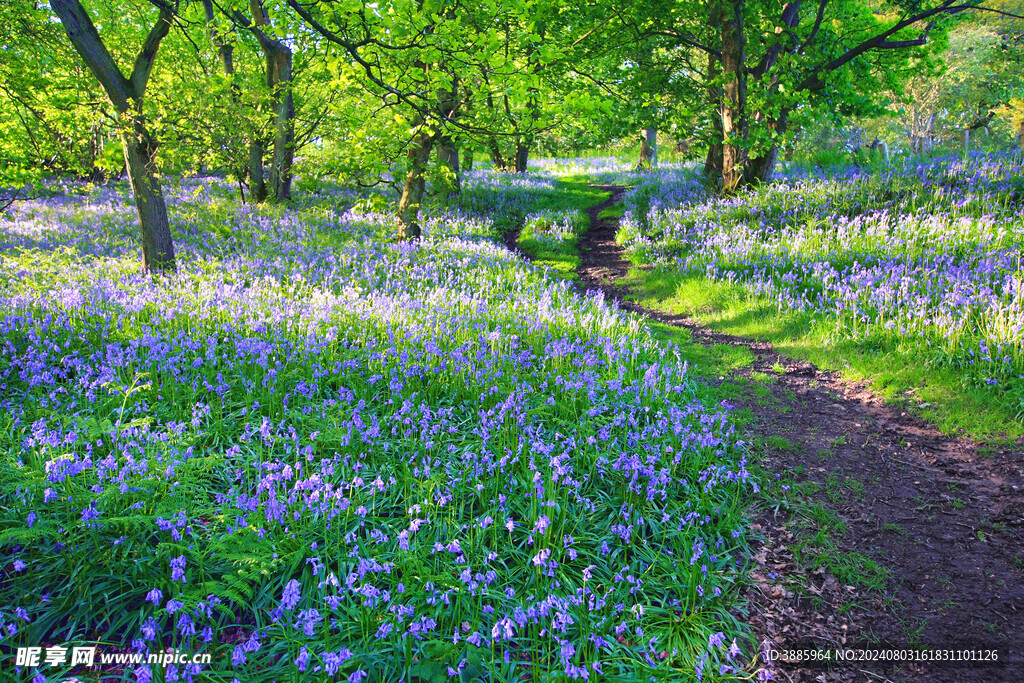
402	90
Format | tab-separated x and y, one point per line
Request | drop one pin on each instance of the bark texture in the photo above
447	149
284	129
646	154
415	184
139	152
257	180
279	82
523	153
652	143
713	161
496	157
761	169
734	94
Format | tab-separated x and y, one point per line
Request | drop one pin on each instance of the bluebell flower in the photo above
302	661
291	595
178	568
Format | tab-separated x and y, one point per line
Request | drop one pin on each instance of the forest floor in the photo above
880	531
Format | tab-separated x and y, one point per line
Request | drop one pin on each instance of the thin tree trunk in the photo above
284	137
279	82
412	193
1020	135
762	168
524	143
447	149
645	154
713	161
734	100
257	180
523	153
126	94
224	48
496	158
652	142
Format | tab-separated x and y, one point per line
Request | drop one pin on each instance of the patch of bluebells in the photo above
553	230
372	451
927	256
606	170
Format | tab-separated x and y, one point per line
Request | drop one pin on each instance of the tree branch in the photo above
789	20
87	42
813	82
818	18
685	40
146	58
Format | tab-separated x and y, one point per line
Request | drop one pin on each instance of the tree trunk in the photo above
279	83
523	153
496	158
524	143
284	130
412	193
257	181
448	156
126	95
447	149
762	168
467	159
646	153
139	149
734	95
224	48
652	143
713	161
1020	135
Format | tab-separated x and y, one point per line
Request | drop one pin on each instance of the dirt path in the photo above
945	518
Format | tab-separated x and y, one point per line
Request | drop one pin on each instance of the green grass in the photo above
572	198
936	394
819	530
617	210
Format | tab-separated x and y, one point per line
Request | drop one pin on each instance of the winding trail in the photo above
942	515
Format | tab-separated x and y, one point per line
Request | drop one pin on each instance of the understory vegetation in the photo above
314	451
317	363
910	276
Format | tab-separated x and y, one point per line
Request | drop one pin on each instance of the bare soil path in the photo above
944	516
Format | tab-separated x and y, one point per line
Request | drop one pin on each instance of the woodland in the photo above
511	340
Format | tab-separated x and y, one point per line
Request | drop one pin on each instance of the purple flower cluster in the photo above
928	256
362	447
